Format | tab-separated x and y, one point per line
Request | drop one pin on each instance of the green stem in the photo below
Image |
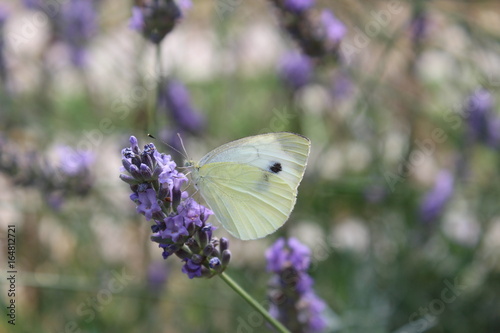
153	105
236	287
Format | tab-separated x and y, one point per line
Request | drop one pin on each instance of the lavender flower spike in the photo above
293	301
78	26
180	224
335	30
298	6
174	98
434	201
483	123
295	69
155	18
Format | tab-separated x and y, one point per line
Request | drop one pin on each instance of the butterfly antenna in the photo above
183	148
170	146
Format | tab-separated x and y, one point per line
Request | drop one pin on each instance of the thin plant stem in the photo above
236	287
153	105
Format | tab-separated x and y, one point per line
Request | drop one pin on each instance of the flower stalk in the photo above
250	300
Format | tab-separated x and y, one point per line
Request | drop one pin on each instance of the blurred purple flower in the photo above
157	275
175	98
78	26
136	22
156	18
342	86
436	199
483	123
419	26
295	69
73	162
180	223
335	30
293	300
298	5
32	4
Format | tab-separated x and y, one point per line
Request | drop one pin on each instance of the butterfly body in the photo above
251	184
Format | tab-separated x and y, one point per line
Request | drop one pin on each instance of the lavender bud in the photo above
193	245
208	250
215	263
146	159
149	149
183	254
191	228
205	272
126	164
224	244
134	171
146	172
197	259
203	237
136	160
226	257
134	144
129	179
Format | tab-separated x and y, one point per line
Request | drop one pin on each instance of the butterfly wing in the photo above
251	183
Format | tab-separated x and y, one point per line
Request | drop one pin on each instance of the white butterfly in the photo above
251	183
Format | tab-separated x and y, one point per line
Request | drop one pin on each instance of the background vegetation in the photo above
395	247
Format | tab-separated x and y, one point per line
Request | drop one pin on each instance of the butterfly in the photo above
251	184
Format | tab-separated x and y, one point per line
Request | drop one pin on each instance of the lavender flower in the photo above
483	123
180	224
342	86
435	200
156	18
74	162
298	6
32	4
293	301
157	276
419	26
295	69
174	97
69	175
317	35
78	26
335	30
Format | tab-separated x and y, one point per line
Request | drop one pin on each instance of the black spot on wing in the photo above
276	167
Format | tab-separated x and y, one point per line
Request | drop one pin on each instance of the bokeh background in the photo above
399	203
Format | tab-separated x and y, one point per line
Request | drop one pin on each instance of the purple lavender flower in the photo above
482	121
435	200
335	30
148	203
157	276
293	300
192	269
298	6
295	69
155	18
175	98
74	162
32	4
419	26
180	223
78	24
